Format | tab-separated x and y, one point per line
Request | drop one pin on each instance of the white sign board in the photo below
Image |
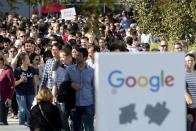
136	92
68	14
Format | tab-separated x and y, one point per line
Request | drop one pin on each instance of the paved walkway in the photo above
13	126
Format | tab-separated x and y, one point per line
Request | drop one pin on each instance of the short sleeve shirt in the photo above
26	87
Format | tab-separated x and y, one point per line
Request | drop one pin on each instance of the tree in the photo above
11	4
170	19
93	8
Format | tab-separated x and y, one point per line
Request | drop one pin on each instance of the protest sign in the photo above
68	14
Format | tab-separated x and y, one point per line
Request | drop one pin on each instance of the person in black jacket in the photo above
45	116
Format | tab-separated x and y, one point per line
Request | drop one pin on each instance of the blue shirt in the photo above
125	23
85	78
59	75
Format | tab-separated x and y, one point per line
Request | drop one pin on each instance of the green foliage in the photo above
93	8
156	45
170	43
170	19
11	4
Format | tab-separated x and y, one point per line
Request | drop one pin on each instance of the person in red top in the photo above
6	89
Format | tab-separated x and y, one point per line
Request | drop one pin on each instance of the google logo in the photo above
116	80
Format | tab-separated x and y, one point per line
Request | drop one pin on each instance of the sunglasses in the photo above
22	36
179	48
1	59
37	59
163	45
12	51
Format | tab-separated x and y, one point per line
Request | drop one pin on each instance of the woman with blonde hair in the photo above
45	116
6	89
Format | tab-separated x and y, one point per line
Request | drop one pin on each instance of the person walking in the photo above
190	94
26	87
47	80
66	61
6	89
35	63
45	116
82	77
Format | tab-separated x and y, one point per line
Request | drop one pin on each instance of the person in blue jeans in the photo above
26	87
65	61
82	77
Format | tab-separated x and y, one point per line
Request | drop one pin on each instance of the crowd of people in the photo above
39	57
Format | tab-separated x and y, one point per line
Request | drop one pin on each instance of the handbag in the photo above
46	118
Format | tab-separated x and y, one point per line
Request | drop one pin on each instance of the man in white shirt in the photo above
91	51
129	44
102	45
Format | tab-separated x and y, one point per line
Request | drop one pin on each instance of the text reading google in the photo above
116	79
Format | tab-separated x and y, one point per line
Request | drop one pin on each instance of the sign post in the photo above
136	92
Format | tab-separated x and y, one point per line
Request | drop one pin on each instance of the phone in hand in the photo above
25	78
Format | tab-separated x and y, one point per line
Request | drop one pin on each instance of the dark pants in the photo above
193	113
3	112
189	121
65	113
14	105
83	116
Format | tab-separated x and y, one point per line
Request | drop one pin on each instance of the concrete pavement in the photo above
13	126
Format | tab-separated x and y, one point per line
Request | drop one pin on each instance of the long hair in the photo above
5	62
21	58
32	57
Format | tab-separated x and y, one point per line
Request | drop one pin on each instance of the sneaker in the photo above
26	124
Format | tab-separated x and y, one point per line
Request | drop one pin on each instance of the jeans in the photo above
24	103
64	116
83	115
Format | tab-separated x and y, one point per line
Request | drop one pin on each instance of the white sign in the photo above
136	92
68	14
